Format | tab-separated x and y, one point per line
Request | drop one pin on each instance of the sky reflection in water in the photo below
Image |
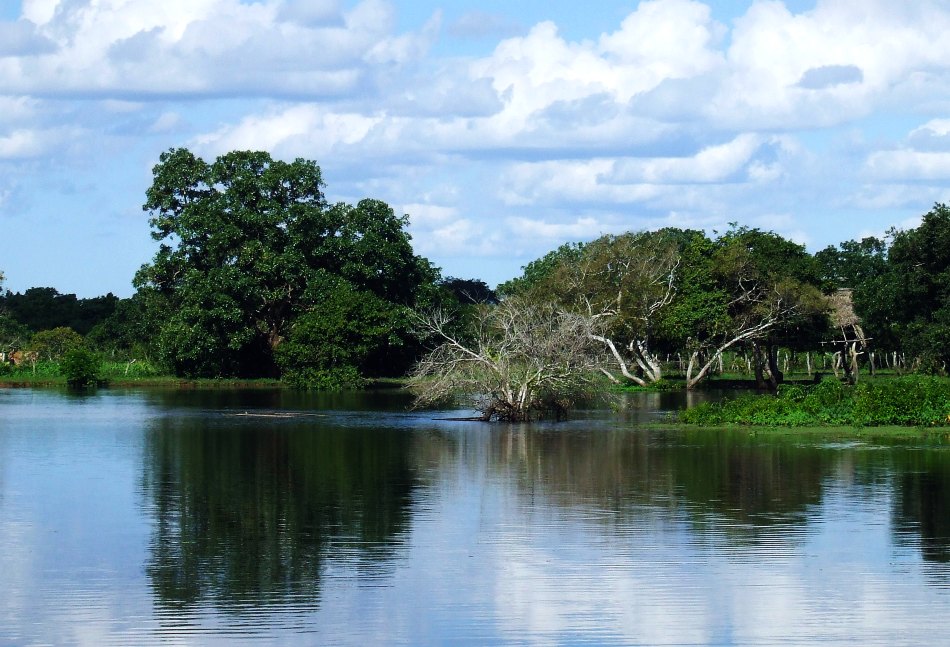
140	517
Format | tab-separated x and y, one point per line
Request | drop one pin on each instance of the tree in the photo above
248	244
469	291
852	264
622	283
911	300
51	345
524	360
329	346
81	367
748	287
540	270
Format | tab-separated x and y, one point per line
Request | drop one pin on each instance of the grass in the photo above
123	374
911	401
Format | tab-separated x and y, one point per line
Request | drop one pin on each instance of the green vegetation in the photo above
257	276
907	401
81	367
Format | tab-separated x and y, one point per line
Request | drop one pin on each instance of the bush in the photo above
81	367
909	401
329	379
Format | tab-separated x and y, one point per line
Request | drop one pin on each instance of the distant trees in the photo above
762	291
902	290
256	274
678	291
51	345
43	308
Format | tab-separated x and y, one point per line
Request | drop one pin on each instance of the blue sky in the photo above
502	128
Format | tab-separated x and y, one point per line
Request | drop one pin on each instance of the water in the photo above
280	518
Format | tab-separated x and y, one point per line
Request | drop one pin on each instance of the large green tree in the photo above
248	243
910	303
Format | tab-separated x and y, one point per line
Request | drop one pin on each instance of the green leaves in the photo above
908	401
249	245
330	344
81	366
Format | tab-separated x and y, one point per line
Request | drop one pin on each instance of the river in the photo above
273	517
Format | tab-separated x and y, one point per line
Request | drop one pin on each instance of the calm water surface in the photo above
142	517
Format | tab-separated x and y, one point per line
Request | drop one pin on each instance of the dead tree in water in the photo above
519	361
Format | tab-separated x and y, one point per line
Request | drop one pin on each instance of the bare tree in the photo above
522	360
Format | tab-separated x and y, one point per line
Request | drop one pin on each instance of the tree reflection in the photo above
251	511
737	483
923	501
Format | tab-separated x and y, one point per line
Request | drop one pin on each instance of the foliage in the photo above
620	281
910	400
919	280
81	366
329	346
44	308
524	360
250	244
852	263
53	344
126	332
469	291
746	288
540	271
13	334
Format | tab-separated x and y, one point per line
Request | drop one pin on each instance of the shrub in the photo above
81	367
910	401
325	379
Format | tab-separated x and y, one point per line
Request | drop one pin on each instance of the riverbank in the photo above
20	380
910	401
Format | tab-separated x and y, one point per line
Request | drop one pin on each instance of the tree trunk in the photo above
776	376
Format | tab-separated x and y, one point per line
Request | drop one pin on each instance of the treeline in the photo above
641	308
258	275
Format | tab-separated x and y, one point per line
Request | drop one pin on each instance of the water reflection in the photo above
726	480
923	501
250	511
195	517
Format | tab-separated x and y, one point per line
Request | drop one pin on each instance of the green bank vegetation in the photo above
920	401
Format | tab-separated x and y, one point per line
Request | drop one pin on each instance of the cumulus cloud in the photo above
205	47
533	228
21	38
668	117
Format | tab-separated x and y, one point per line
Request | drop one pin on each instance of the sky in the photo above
503	129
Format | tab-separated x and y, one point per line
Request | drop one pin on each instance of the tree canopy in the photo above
249	243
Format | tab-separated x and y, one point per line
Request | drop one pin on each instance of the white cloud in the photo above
909	165
207	47
427	215
25	143
669	117
712	164
533	229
